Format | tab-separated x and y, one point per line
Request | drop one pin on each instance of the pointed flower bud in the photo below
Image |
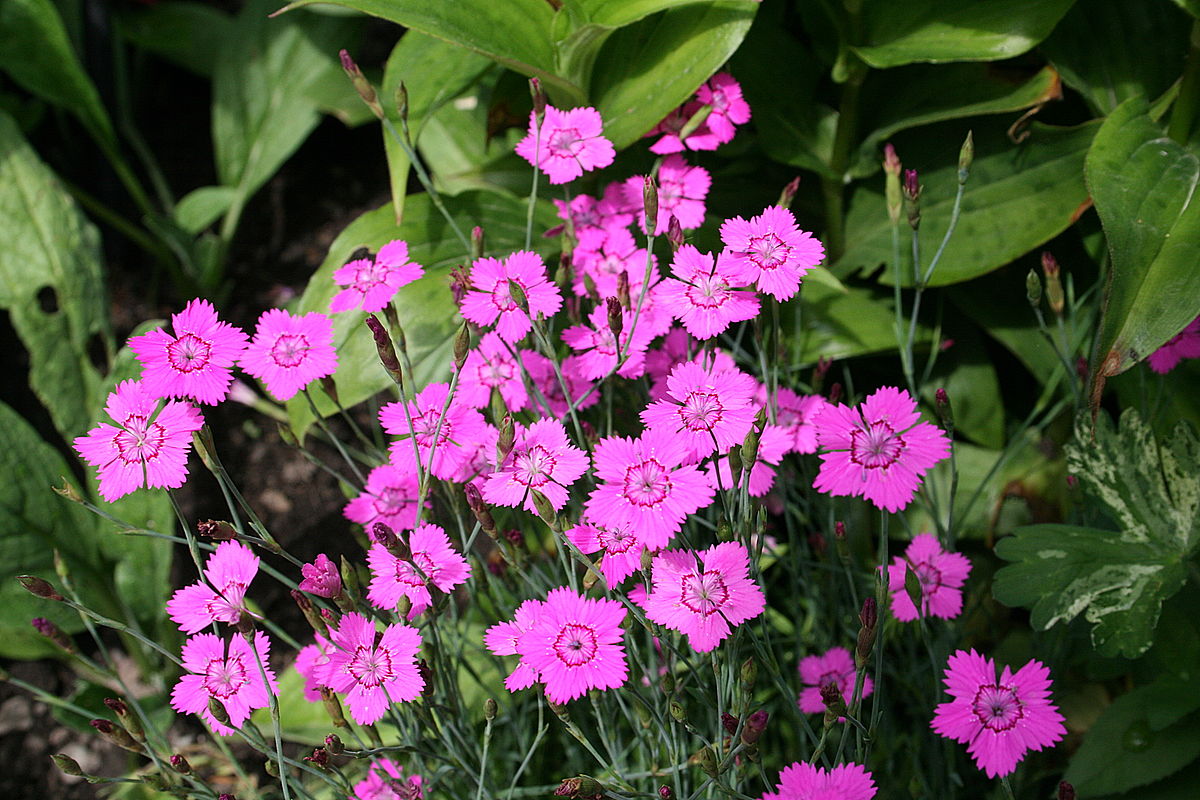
912	198
666	792
129	720
489	709
480	509
507	438
1033	289
361	84
385	349
789	193
650	201
1054	289
462	346
730	723
756	723
40	588
748	674
545	508
310	612
965	156
116	735
333	743
401	99
835	704
52	632
349	576
945	411
180	764
835	393
1066	791
332	707
674	234
892	191
868	618
707	760
616	323
68	765
539	99
623	288
319	758
217	530
477	243
678	712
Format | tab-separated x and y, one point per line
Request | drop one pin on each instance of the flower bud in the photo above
40	588
678	712
539	99
217	709
892	190
129	720
350	577
545	508
748	674
115	735
310	612
480	509
1054	289
650	202
330	389
750	450
382	533
756	723
819	372
462	345
361	84
180	764
945	411
835	393
584	787
70	493
489	709
616	322
319	758
707	760
217	530
517	292
477	243
789	193
52	632
271	768
666	682
426	671
385	349
735	464
333	707
674	234
333	743
912	198
868	617
68	765
559	710
730	723
966	155
1033	289
1065	791
666	792
835	704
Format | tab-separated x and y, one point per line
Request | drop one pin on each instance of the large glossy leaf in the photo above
1142	737
837	321
1119	579
426	308
616	13
647	69
1017	197
1100	49
458	152
954	30
51	283
1144	187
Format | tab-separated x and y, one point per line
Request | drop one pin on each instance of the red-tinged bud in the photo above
39	588
180	764
616	323
361	84
310	612
945	411
835	704
623	288
674	234
385	349
333	707
1066	791
729	722
539	99
462	345
507	438
52	632
912	198
835	393
480	509
226	796
514	537
666	792
590	434
477	242
115	735
839	531
789	192
460	283
333	743
839	540
893	192
319	758
395	545
217	530
756	723
891	161
330	389
1054	289
68	765
650	203
129	720
583	787
868	618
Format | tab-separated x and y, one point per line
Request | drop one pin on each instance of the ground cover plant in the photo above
695	400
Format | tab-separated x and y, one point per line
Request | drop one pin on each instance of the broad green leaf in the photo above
190	34
262	110
51	283
426	307
434	72
1100	49
618	13
1190	6
1142	737
967	374
1116	579
840	321
201	207
1143	186
647	69
1018	196
515	33
953	30
36	53
456	149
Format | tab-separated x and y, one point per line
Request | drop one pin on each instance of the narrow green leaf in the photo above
201	207
1144	186
51	283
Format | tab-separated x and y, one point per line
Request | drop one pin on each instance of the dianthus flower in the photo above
567	144
197	361
998	720
599	349
617	254
227	672
321	577
703	594
771	251
541	459
681	193
834	667
803	781
385	781
574	644
372	282
390	497
674	350
795	414
439	563
672	125
220	597
879	450
489	300
724	95
541	369
622	550
372	670
445	442
287	353
703	294
709	411
501	640
941	575
592	220
1185	344
773	444
311	662
144	448
645	487
491	367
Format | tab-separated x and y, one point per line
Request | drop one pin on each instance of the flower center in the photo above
576	644
997	707
501	298
370	667
701	411
139	441
616	541
647	484
290	349
226	606
493	373
407	575
708	291
369	276
533	467
425	425
929	576
390	501
189	353
705	593
875	447
565	142
604	342
767	251
225	677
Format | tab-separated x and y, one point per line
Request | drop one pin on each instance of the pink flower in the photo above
373	671
501	639
795	414
681	193
218	598
645	487
879	451
702	296
574	644
671	127
541	370
144	448
228	672
617	254
490	300
390	497
803	781
941	575
704	594
321	577
1185	344
773	445
771	251
724	95
491	367
834	667
568	143
620	544
541	459
288	352
445	443
372	282
310	663
197	362
592	220
677	348
998	720
385	781
432	553
709	411
599	348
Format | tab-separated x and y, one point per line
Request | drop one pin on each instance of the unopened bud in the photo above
361	84
707	760
678	712
539	99
68	765
319	758
666	682
835	704
506	439
1065	791
40	588
616	322
333	743
462	345
650	203
545	508
868	618
748	674
333	707
314	618
892	190
330	389
480	509
912	198
966	155
350	577
730	723
559	710
217	709
180	764
477	243
674	234
129	720
1054	289
789	193
666	792
583	787
217	530
69	492
489	709
912	586
835	393
385	349
52	632
750	450
115	735
271	768
945	411
756	723
724	530
1033	289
